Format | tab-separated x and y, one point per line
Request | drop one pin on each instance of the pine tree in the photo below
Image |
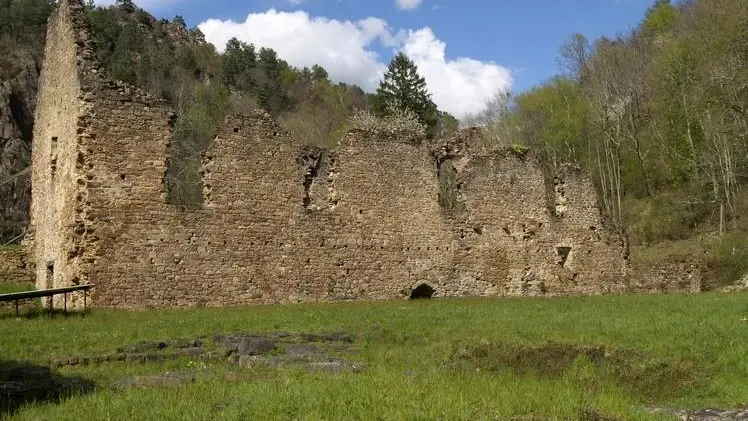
126	5
402	88
238	61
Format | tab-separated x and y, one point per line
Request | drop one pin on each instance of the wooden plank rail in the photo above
16	296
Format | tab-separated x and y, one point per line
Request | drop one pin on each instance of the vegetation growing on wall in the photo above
448	187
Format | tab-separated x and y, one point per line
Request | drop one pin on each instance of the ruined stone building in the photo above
374	218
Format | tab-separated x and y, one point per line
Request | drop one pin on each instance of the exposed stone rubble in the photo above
677	274
710	414
313	351
741	285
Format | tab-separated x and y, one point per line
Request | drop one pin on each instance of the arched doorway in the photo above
422	291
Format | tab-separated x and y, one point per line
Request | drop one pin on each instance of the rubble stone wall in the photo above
15	268
283	222
55	155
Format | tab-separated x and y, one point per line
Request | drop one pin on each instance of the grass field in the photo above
589	358
7	288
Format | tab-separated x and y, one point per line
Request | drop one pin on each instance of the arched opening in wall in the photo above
422	291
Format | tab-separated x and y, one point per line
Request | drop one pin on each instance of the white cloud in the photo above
346	50
460	86
408	4
341	47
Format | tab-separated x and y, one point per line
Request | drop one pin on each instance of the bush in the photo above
396	122
520	150
670	217
448	188
728	259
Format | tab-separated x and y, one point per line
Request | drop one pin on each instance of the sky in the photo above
468	50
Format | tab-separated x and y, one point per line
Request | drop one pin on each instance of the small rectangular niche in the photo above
49	280
53	156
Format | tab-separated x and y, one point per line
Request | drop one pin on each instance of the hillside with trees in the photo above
659	116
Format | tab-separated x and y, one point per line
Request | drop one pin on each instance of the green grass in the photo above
10	247
522	359
7	288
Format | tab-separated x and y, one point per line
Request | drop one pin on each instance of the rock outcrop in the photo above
18	89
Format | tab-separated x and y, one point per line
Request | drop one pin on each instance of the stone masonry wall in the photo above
55	153
15	268
283	222
676	274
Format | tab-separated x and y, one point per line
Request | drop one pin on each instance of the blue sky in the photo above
509	44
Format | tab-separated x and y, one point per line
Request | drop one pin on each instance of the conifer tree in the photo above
402	88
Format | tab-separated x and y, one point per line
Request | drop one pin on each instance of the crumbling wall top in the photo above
92	76
357	136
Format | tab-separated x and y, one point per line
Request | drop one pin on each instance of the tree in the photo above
126	5
496	120
447	124
574	57
270	90
319	73
240	58
197	36
402	88
25	22
553	118
660	17
179	21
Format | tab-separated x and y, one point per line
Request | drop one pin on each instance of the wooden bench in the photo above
16	296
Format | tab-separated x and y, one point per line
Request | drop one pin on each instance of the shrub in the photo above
396	121
728	259
448	187
520	150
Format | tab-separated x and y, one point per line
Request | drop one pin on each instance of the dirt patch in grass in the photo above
651	379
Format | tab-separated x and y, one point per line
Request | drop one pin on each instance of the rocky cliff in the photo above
19	74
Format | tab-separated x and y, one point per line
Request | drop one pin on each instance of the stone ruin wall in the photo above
15	267
283	222
676	274
55	151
